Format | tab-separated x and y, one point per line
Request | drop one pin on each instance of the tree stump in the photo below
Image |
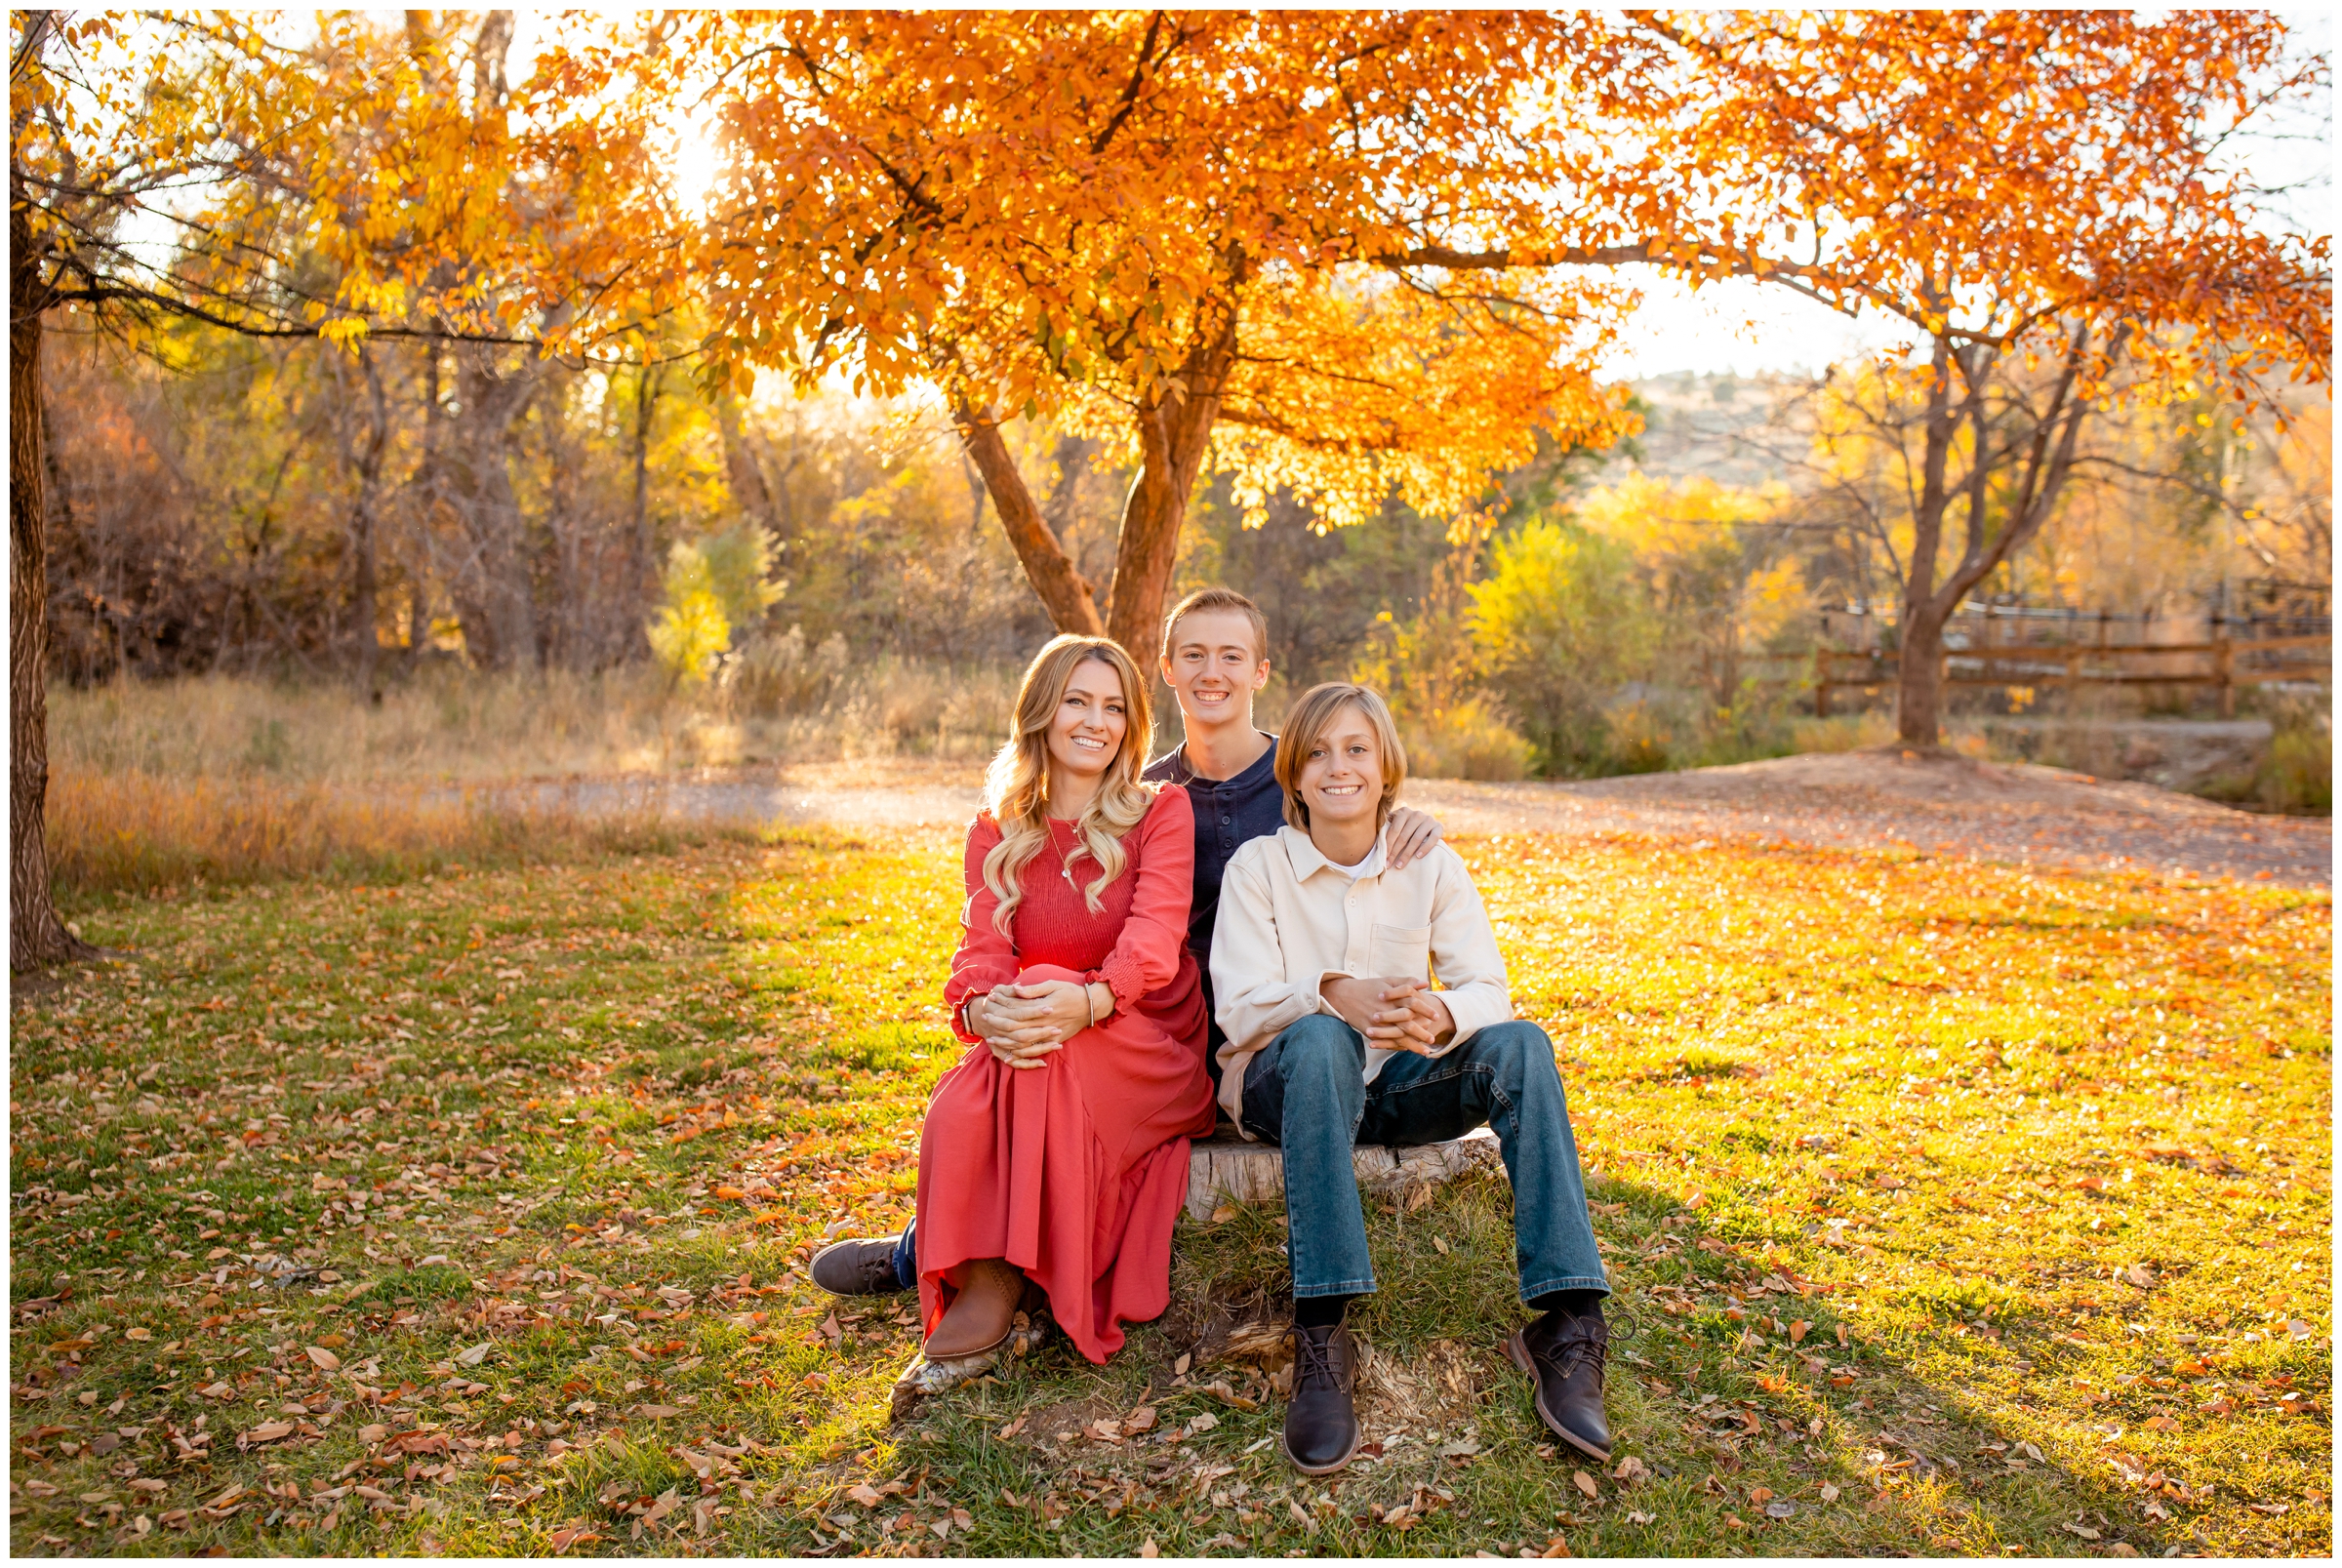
1224	1168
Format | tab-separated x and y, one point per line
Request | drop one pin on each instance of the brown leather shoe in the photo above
1564	1354
863	1266
980	1316
1322	1422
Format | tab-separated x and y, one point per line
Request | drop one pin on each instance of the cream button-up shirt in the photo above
1290	919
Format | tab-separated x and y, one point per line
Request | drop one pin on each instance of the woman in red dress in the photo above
1055	1154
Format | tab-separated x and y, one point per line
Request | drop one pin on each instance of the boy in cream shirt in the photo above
1323	961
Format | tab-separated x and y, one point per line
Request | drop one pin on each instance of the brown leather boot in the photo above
980	1315
1564	1352
1321	1423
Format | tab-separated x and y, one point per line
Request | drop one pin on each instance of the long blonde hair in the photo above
1016	786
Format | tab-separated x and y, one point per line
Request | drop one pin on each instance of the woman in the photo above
1055	1154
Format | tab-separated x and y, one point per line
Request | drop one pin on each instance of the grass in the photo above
440	725
1963	1210
134	832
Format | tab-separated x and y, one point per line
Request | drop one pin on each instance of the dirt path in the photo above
2029	815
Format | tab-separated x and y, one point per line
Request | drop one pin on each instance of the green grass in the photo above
2040	1163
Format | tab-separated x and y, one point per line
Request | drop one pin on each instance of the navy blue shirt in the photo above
1229	813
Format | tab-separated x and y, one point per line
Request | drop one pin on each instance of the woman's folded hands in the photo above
1022	1024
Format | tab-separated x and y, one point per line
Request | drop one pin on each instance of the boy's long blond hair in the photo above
1016	786
1310	717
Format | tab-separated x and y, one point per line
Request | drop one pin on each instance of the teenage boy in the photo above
1215	659
1322	958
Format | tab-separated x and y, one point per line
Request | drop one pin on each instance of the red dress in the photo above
1074	1171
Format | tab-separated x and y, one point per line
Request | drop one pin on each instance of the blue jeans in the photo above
907	1257
1308	1093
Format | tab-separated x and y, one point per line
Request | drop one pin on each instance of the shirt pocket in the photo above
1402	953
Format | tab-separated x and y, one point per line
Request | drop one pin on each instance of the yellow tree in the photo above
314	176
2036	191
1322	251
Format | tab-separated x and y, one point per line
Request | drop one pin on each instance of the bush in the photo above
1465	741
1560	624
723	581
2298	775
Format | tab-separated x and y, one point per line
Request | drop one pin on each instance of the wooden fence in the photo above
2223	664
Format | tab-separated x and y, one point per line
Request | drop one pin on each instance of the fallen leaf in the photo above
1148	1548
1584	1484
1440	1244
373	1433
1799	1330
658	1412
139	1334
2081	1530
268	1432
863	1493
1013	1427
465	1359
1829	1493
1179	1368
1140	1419
324	1359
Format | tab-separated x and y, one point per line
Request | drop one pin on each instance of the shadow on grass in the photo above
1730	1437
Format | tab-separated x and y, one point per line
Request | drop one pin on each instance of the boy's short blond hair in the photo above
1305	723
1224	599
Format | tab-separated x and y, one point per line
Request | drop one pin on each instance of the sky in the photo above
1739	326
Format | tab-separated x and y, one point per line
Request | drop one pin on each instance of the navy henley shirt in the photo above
1229	813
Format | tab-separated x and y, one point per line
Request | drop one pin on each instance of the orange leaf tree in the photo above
2045	198
1319	251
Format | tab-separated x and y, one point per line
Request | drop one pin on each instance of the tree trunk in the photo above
1064	591
646	569
1920	669
503	607
744	475
1174	433
365	592
2048	461
36	936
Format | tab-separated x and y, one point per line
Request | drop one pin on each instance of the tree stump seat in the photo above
1225	1168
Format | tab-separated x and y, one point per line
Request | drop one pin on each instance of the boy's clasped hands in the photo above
1397	1015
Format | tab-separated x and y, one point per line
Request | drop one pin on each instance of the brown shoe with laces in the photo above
1322	1422
863	1265
1564	1353
983	1313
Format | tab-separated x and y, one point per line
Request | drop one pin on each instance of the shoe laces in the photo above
1578	1341
1315	1361
875	1265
